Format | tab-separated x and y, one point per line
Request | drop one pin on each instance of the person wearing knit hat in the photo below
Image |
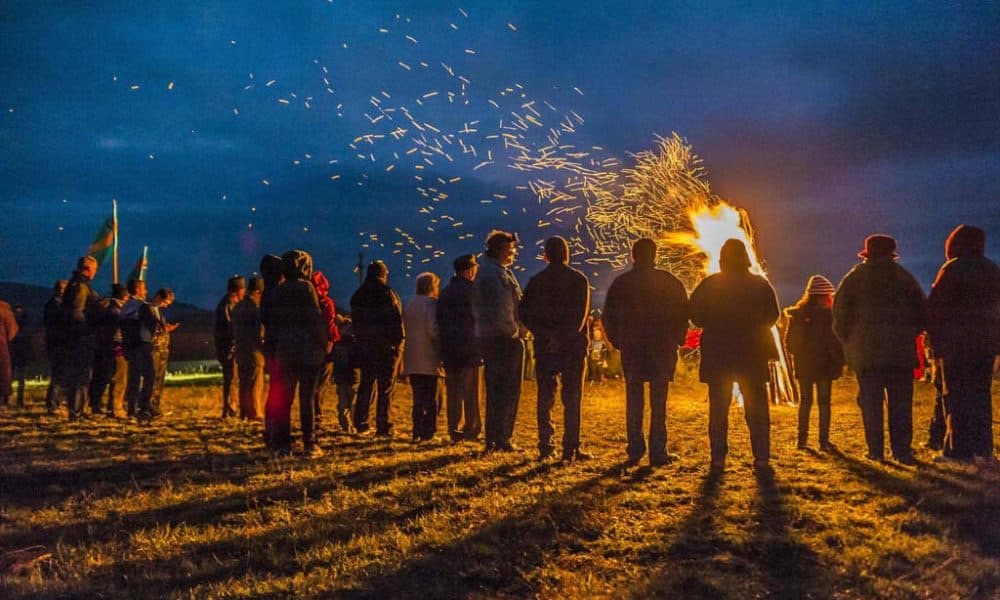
964	330
878	312
817	355
224	346
736	310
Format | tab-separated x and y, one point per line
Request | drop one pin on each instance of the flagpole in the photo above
142	266
114	256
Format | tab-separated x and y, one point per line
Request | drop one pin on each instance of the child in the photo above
345	374
818	355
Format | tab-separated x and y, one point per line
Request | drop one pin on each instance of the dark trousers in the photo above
346	393
635	404
230	384
936	428
103	372
56	356
278	406
822	394
463	397
503	359
876	388
323	385
756	411
549	370
251	385
139	388
378	377
426	405
968	408
76	373
304	378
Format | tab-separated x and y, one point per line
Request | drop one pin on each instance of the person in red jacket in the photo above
329	309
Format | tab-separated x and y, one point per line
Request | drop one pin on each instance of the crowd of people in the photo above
465	340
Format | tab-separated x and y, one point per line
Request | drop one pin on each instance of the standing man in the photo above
8	330
225	348
248	337
964	326
137	348
160	331
736	310
555	308
459	354
78	307
278	401
495	297
110	368
55	343
646	318
878	311
377	317
302	338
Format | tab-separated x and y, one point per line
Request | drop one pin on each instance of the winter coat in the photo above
736	310
298	322
646	318
554	308
8	329
223	333
329	309
495	296
878	312
964	309
457	325
271	269
816	350
79	307
53	324
421	355
107	324
248	329
377	316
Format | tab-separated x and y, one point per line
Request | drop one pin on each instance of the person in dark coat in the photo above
55	343
137	346
555	308
646	317
500	337
225	348
78	312
8	330
964	327
110	367
302	341
817	355
160	329
878	312
345	374
323	384
248	338
20	351
463	366
736	311
278	401
377	317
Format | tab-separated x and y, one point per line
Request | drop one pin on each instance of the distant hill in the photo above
192	341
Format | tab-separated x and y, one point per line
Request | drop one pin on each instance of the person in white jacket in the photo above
422	356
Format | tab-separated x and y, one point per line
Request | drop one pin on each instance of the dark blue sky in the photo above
827	122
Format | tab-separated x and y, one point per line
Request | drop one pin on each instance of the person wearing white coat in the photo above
422	356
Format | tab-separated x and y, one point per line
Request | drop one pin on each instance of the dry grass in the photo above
195	508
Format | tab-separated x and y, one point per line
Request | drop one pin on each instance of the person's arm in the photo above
580	307
843	308
527	308
679	321
9	324
611	317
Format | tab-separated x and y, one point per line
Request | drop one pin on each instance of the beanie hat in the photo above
819	286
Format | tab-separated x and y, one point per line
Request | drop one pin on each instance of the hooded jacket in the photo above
646	317
377	318
964	303
878	311
817	353
297	320
322	285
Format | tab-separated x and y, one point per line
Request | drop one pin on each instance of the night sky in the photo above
827	123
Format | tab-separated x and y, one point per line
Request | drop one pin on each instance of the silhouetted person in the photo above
20	351
329	310
137	344
964	327
555	308
248	338
302	340
8	329
463	366
225	348
422	356
110	366
78	311
160	347
345	374
646	317
495	296
736	310
878	311
377	316
55	344
278	401
817	354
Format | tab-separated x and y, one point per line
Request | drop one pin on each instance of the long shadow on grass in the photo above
281	551
973	515
498	558
199	511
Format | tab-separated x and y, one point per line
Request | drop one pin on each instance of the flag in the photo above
138	272
103	245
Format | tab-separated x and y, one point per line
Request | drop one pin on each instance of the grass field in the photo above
196	508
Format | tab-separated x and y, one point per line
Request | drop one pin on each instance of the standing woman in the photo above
422	356
818	355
